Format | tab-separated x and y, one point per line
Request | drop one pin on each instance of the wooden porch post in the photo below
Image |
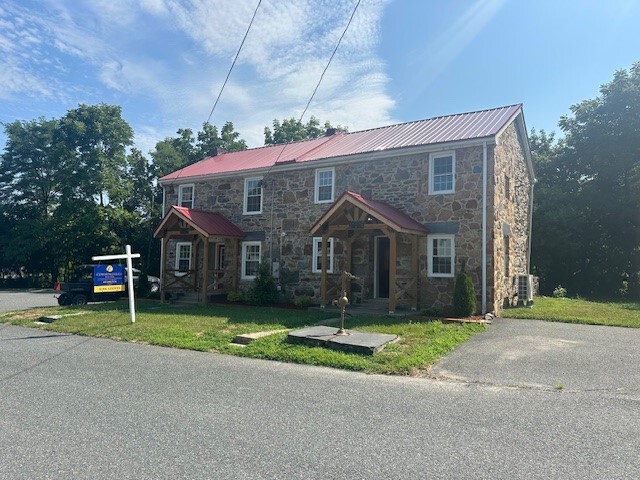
348	243
323	269
393	257
415	271
164	268
235	243
205	269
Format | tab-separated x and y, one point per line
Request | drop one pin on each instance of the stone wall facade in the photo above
402	181
509	206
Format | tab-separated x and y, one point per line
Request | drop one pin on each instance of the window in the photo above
183	258
185	196
317	255
442	173
252	196
324	185
441	255
250	259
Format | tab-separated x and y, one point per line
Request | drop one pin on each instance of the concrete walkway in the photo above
538	354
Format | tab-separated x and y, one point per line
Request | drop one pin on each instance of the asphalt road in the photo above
76	407
22	299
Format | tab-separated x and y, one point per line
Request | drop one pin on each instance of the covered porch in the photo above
352	217
202	246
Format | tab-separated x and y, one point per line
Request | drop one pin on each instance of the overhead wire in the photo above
234	60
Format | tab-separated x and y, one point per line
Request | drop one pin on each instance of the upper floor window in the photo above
441	255
317	255
442	172
252	195
185	196
325	185
251	257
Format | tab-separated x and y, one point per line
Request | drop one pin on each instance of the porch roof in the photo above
207	223
390	216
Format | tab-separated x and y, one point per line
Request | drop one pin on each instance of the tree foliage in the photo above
464	297
587	201
291	130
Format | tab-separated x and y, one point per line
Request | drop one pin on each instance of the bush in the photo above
143	289
464	297
431	312
264	290
559	292
235	297
303	301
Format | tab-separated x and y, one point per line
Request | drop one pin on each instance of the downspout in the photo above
484	228
533	182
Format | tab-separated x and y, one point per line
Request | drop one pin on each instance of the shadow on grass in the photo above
244	314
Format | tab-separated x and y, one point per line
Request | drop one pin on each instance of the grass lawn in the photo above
212	328
580	311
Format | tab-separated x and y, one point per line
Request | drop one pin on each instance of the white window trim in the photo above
244	259
246	196
432	158
180	193
176	272
317	251
317	184
430	239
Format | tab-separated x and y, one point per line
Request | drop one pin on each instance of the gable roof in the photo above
387	214
477	125
207	223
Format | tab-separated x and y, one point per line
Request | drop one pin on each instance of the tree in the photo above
291	130
92	142
174	153
588	197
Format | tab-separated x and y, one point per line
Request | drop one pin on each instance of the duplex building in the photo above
402	207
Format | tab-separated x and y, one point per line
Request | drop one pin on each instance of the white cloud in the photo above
172	57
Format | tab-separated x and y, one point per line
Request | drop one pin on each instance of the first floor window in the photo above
251	256
183	258
441	253
252	195
185	196
317	255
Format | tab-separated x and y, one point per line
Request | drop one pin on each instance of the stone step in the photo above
247	338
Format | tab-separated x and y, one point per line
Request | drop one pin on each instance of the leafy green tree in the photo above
92	142
263	290
29	176
291	130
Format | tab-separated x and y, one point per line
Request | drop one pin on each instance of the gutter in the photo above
484	228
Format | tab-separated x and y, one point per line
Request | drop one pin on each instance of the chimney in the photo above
215	151
330	131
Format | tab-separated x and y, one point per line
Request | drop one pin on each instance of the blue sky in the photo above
164	61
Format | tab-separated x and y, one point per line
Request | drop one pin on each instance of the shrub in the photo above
559	292
431	312
143	288
264	290
464	297
303	301
234	296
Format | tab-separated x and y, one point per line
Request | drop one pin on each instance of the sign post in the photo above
128	256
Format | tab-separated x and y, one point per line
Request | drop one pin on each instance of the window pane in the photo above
325	185
254	195
443	173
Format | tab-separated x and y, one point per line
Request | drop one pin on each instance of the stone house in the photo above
401	207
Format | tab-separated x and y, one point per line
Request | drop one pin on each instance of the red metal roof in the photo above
207	223
387	214
449	128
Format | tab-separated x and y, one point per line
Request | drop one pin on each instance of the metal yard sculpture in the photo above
343	301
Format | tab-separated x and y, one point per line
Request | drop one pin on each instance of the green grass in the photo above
570	310
212	328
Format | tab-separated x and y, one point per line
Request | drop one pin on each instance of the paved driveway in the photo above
23	299
547	355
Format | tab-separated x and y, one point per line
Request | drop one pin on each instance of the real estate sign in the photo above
108	278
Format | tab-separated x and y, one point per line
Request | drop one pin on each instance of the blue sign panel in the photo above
108	278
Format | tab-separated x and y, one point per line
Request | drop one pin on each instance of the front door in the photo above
382	267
